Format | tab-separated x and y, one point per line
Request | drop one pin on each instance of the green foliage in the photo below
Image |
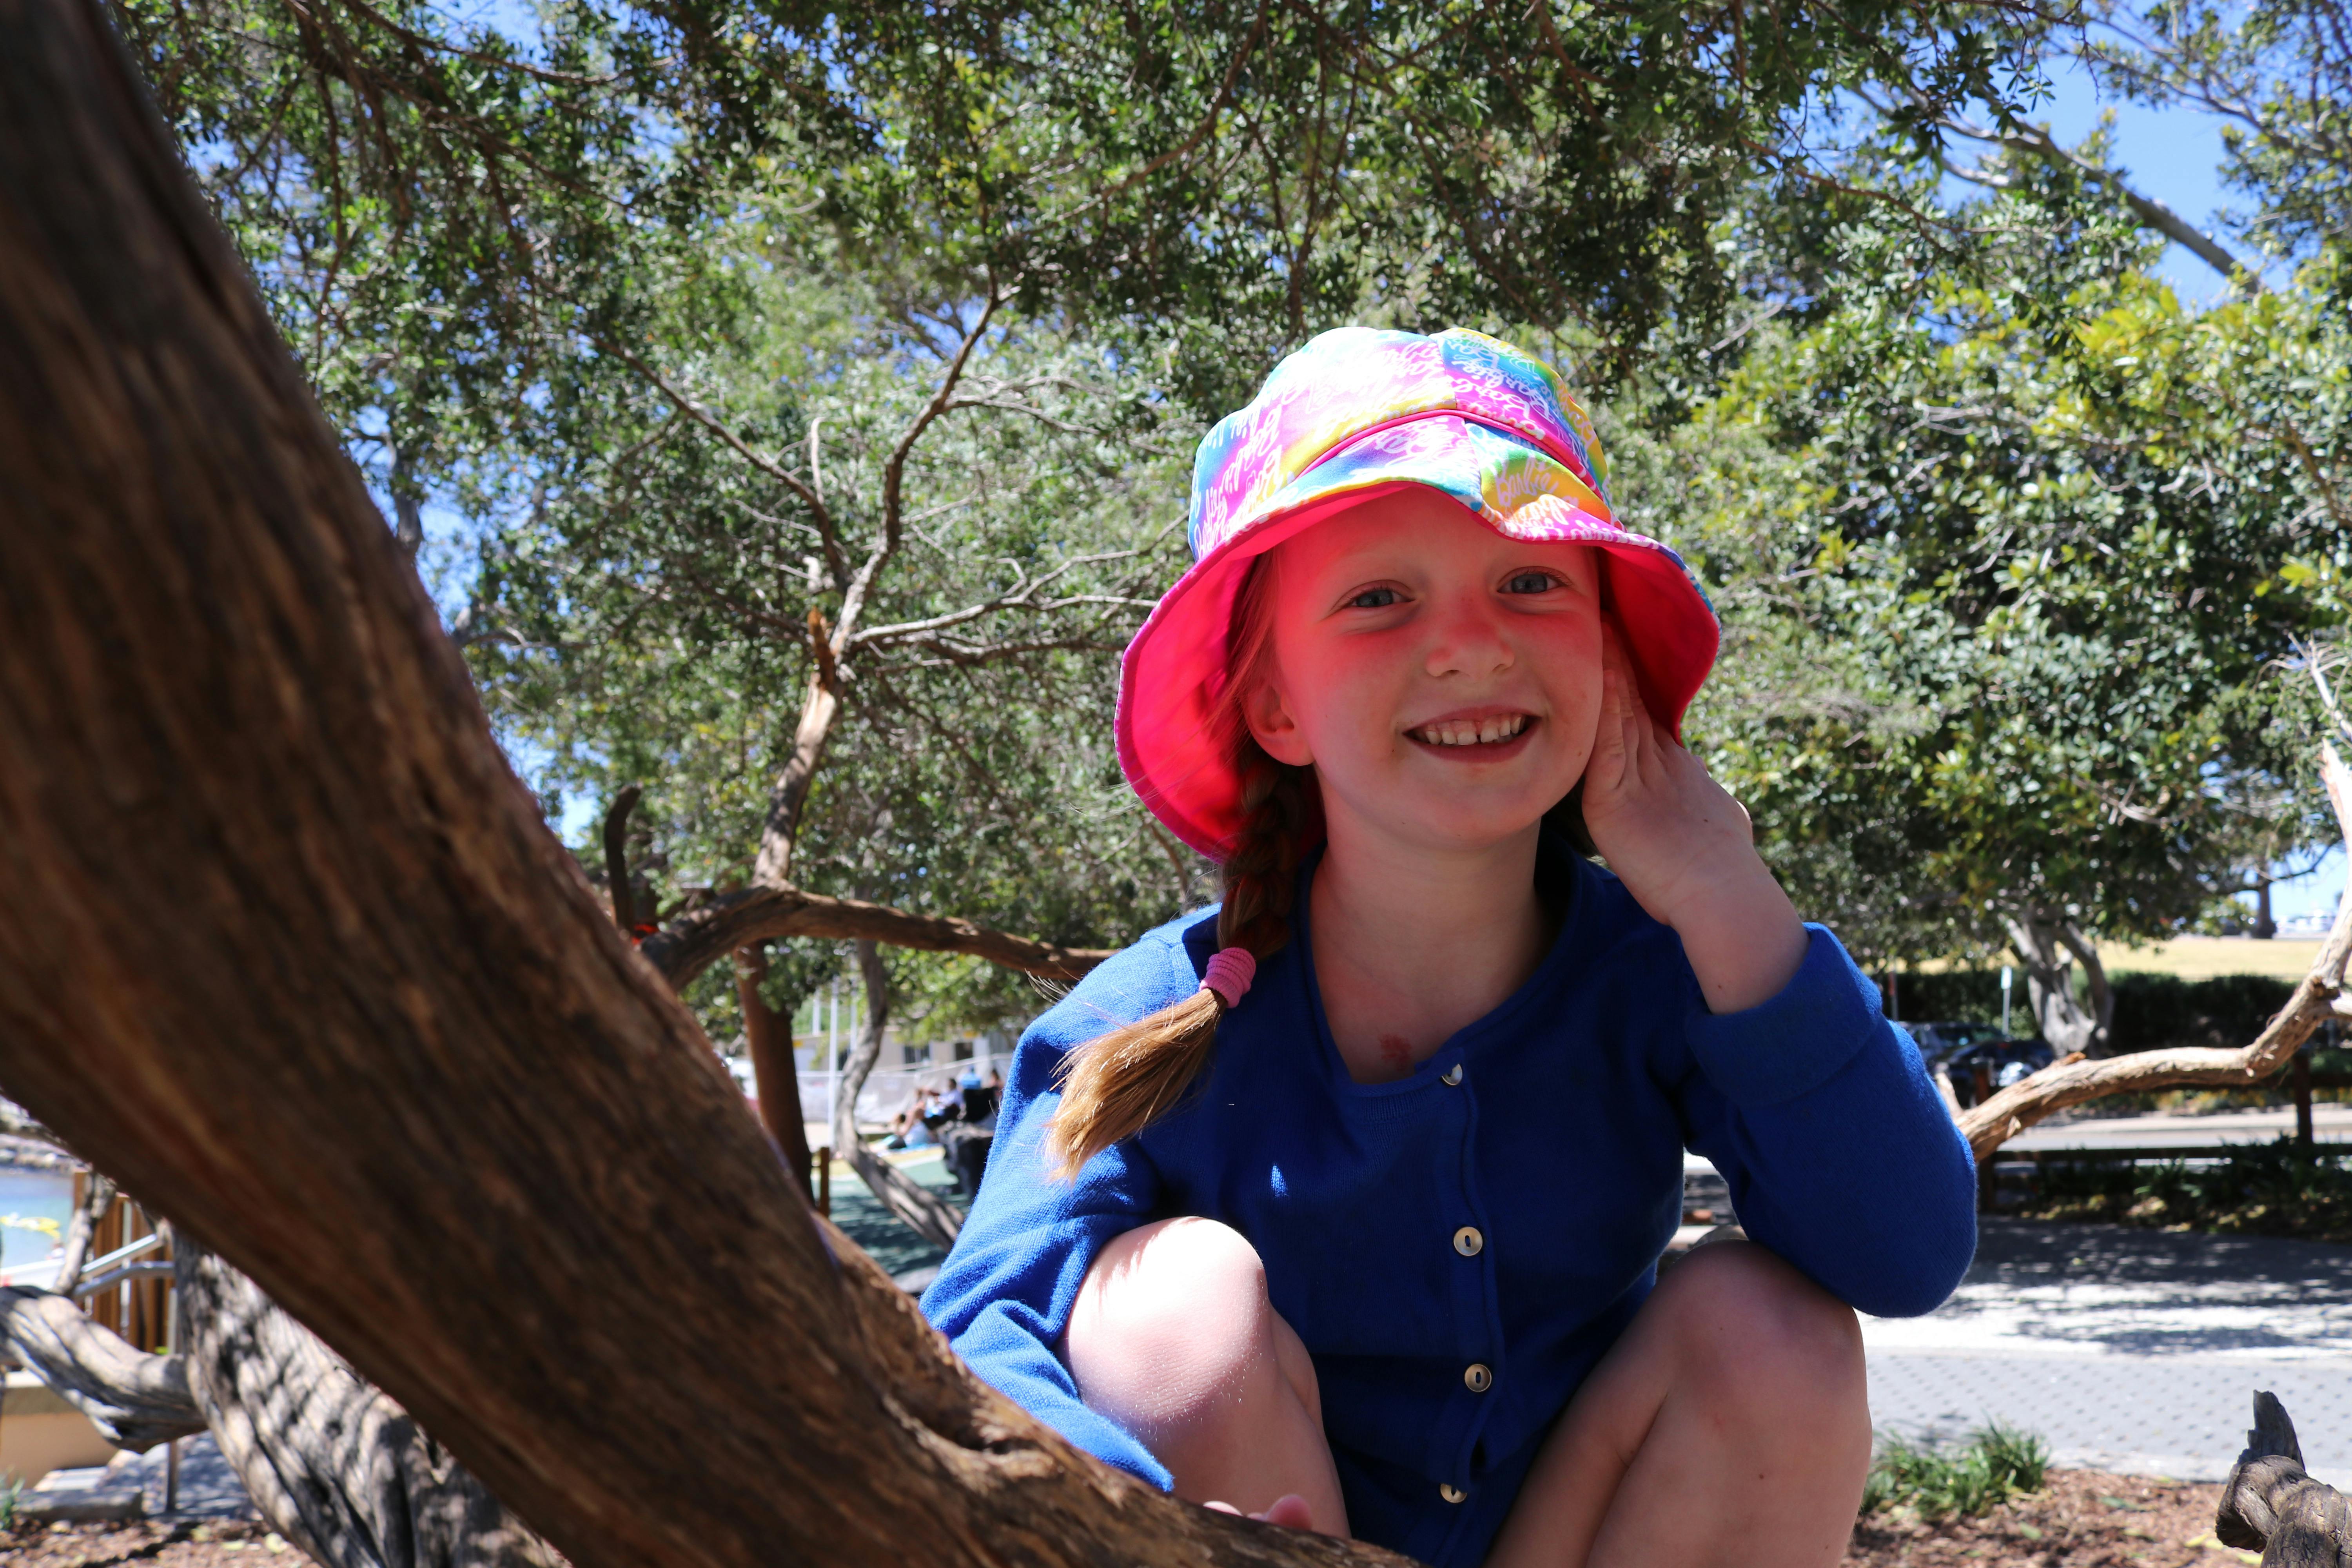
1995	1464
2009	547
2284	1188
2152	1011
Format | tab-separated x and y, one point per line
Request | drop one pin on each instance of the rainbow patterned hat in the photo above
1352	416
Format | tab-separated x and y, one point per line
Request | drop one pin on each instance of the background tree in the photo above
2021	541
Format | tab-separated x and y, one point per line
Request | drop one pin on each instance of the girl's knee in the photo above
1171	1323
1749	1326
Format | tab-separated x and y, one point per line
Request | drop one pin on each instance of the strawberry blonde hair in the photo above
1120	1083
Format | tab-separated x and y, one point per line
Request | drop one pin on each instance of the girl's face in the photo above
1444	681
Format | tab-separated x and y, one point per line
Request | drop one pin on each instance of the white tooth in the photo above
1489	731
1464	732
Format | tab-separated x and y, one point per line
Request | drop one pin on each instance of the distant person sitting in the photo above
969	1137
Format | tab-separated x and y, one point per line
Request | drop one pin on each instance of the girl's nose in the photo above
1468	639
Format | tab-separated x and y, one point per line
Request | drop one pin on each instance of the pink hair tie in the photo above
1230	970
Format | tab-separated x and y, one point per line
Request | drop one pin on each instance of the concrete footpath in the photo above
2132	1351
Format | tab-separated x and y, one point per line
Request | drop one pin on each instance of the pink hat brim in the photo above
1173	678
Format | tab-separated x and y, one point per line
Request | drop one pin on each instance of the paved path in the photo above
2329	1123
2128	1350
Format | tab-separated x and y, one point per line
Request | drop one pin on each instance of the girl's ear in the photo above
1273	727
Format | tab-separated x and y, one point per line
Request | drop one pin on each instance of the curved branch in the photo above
135	1399
698	940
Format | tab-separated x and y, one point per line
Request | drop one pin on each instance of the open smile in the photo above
1482	736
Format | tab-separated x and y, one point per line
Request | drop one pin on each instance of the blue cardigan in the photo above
1555	1125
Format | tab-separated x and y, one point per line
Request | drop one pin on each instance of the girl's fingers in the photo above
1288	1510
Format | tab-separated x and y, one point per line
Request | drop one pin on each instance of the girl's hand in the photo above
1288	1510
1684	848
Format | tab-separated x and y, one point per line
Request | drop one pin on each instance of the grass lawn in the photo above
2204	957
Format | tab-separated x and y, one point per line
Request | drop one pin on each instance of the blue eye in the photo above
1375	599
1531	583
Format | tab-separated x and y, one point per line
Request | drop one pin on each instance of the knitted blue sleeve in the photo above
1839	1154
1004	1296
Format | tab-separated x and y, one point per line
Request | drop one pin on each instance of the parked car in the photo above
1960	1048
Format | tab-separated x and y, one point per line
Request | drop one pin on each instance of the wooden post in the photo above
825	1180
2303	1097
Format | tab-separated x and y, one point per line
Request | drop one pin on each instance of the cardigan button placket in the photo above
1477	1377
1468	1242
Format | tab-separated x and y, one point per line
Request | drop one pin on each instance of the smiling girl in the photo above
1341	1204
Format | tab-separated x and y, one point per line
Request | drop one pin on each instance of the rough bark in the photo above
701	937
775	1078
332	1463
2317	998
923	1210
288	947
2272	1507
136	1399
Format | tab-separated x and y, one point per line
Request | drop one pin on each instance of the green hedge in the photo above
2151	1010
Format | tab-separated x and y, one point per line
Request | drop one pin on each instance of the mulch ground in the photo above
2080	1519
213	1545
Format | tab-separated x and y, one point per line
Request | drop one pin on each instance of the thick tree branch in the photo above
290	948
698	939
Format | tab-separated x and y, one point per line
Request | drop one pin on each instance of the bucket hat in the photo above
1355	415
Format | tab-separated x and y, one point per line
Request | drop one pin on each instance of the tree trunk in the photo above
775	1077
2048	946
290	952
924	1212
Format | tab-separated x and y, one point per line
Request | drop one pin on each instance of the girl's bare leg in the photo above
1729	1427
1173	1338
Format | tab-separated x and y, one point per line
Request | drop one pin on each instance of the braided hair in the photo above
1115	1086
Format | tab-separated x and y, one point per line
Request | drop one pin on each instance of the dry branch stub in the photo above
2271	1506
292	951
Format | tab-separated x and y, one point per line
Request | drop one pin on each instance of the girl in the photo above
1341	1204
